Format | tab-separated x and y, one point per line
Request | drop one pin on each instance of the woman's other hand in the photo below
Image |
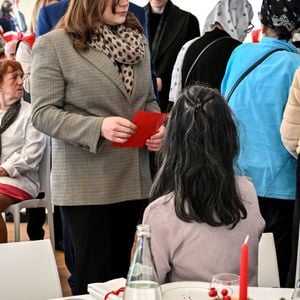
117	129
154	143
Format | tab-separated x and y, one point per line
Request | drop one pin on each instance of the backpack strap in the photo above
201	53
249	70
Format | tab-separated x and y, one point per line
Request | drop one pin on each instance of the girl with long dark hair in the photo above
203	212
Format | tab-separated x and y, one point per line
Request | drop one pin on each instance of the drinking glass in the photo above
225	284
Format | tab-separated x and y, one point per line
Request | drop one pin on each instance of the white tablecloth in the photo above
255	293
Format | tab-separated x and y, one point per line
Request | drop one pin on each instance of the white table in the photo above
81	297
255	293
270	293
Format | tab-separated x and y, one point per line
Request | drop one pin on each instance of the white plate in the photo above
185	290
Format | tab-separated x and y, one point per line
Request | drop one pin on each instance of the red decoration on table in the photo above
244	270
147	123
224	292
116	293
214	294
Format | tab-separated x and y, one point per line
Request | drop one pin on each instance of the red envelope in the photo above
147	123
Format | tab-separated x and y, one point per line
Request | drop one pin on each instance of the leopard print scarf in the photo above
123	46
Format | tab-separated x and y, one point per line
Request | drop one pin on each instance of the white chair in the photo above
268	275
44	174
28	271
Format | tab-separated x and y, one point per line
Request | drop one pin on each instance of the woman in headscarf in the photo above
258	103
204	59
21	145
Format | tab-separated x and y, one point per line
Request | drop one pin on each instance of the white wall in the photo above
26	6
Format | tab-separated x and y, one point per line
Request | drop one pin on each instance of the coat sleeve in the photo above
48	90
31	154
290	126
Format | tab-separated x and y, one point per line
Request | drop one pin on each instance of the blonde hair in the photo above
82	17
35	13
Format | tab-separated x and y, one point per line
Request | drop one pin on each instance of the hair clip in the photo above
198	105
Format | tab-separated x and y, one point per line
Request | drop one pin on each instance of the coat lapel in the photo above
103	64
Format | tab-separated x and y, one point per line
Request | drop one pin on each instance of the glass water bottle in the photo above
142	282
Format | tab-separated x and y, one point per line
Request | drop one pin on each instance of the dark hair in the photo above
285	36
6	7
83	16
197	156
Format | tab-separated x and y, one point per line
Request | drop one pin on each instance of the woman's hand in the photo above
3	172
154	143
117	129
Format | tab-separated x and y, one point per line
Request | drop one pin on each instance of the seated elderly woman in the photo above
202	211
21	145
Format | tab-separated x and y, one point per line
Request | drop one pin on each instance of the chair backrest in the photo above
45	169
45	201
28	271
268	275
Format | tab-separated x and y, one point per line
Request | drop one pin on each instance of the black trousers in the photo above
35	220
102	237
295	233
278	214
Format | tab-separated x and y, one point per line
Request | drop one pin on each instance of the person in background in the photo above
169	28
17	19
21	146
5	23
35	216
290	126
35	13
86	61
201	210
10	49
49	16
258	103
204	59
290	134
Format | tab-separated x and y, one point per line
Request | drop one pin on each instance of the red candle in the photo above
244	270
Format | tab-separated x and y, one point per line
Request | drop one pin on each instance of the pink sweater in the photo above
196	251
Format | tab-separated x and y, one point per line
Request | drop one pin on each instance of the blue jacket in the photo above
49	16
258	104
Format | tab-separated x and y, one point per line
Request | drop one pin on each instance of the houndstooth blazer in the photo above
72	92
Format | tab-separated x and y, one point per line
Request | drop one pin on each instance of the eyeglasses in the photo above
249	29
